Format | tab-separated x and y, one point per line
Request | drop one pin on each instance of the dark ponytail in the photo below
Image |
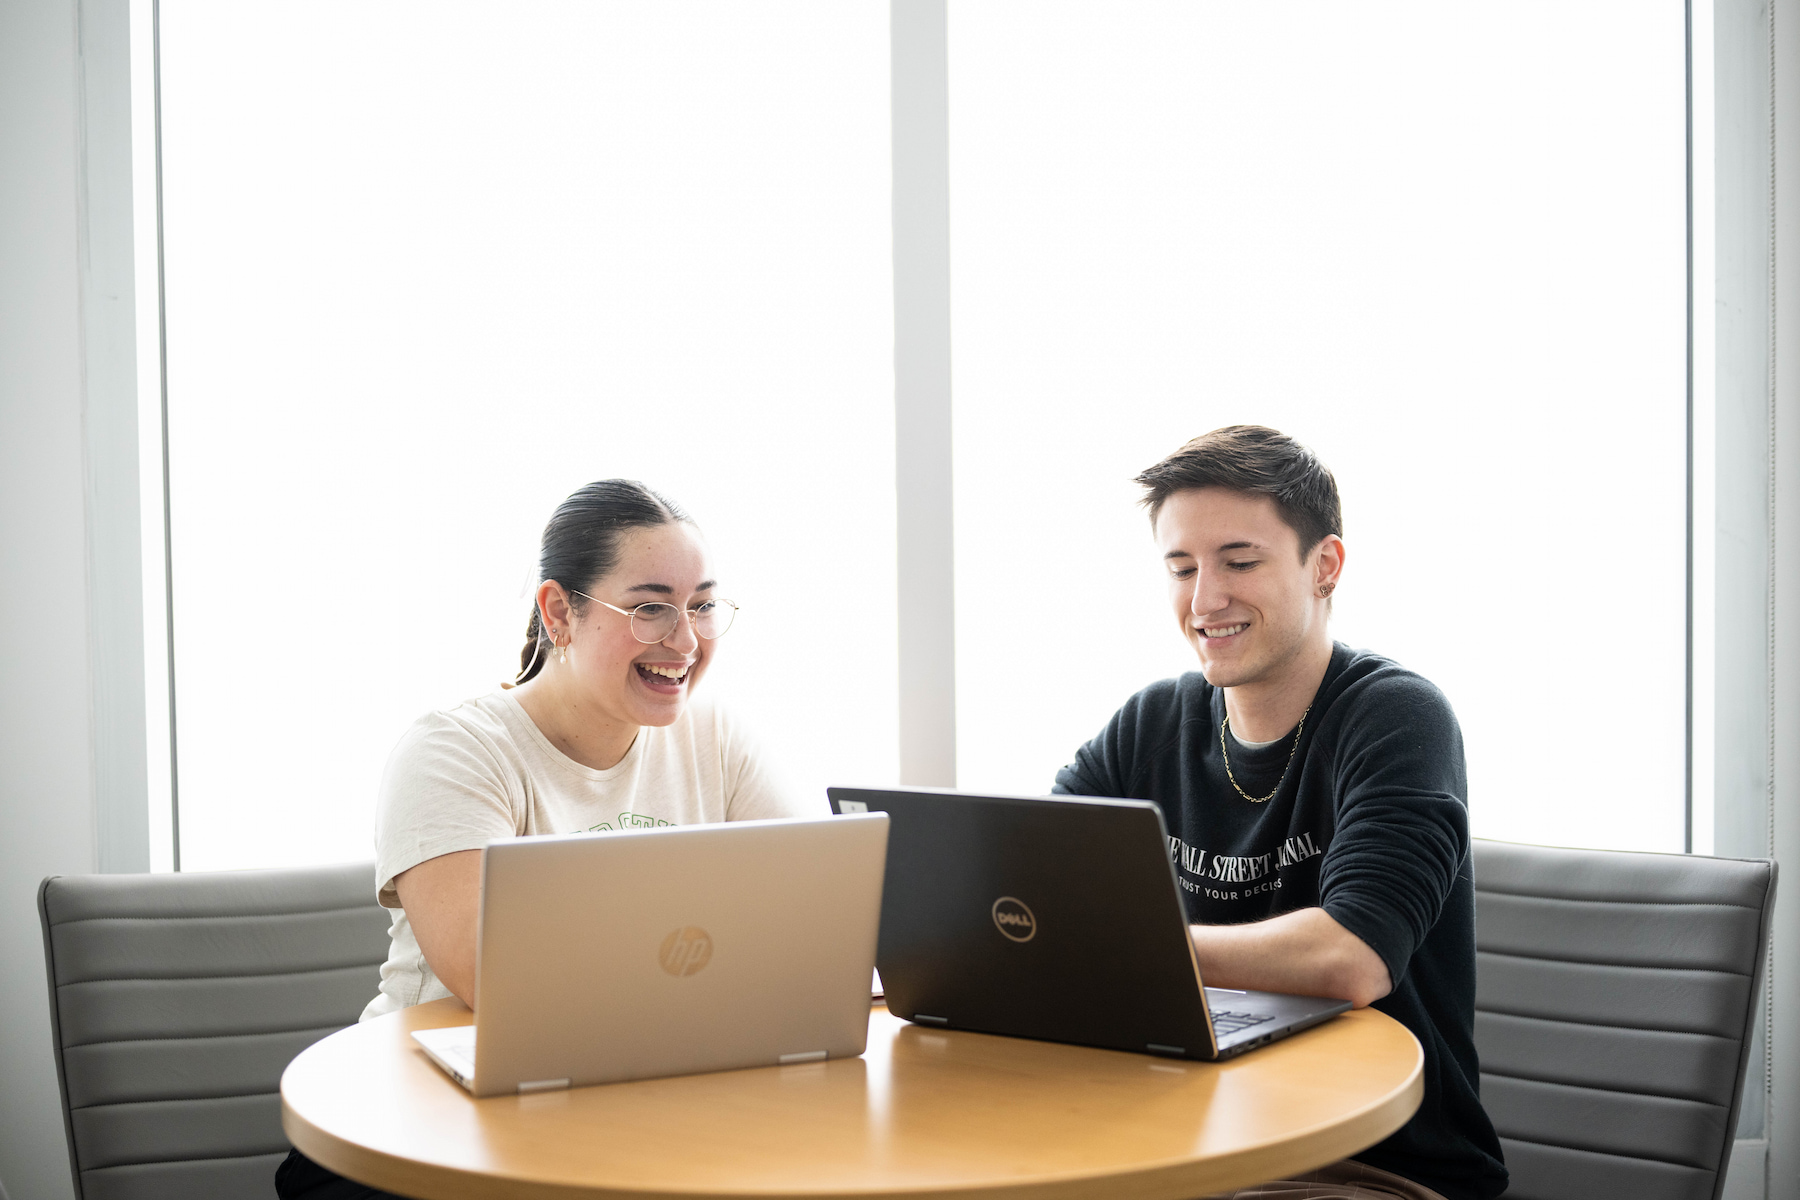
580	547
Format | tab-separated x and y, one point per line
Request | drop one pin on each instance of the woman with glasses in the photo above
599	732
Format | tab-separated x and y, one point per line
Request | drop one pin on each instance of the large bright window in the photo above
1441	244
432	266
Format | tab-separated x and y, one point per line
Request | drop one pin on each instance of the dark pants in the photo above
300	1178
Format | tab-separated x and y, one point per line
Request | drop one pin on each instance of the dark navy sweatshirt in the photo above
1370	822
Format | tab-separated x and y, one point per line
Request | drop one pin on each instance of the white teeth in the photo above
1226	630
667	672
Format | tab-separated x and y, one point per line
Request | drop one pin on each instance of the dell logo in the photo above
686	950
1014	919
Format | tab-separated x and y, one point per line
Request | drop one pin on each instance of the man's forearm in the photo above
1303	953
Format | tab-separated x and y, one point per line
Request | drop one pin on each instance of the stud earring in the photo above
1327	589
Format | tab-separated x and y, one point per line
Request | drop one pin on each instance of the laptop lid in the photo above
1055	918
627	955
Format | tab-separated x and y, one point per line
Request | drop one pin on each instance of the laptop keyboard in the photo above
1231	1022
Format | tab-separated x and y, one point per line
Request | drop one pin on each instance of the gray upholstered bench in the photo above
1613	1008
176	1001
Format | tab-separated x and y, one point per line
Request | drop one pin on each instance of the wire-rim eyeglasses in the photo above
710	618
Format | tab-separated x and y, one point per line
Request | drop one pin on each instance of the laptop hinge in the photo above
801	1056
1171	1051
542	1085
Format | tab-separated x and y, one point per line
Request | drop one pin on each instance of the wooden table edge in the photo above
1179	1180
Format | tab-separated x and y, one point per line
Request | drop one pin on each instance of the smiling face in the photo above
626	681
1246	601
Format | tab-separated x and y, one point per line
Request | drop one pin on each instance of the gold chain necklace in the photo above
1298	729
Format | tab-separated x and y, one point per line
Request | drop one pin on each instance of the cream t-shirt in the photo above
483	770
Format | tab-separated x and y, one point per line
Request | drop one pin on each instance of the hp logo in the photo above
1013	918
686	950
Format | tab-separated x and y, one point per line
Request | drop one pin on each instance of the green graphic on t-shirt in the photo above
631	821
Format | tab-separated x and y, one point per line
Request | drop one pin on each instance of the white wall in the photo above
47	784
1783	1122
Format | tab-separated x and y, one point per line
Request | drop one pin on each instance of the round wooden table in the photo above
924	1113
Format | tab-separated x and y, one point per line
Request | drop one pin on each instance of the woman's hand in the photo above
442	899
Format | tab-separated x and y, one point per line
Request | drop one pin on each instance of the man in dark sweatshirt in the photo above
1314	794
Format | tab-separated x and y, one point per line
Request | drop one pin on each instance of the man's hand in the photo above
442	899
1302	953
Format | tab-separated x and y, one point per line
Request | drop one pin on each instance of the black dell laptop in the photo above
1055	918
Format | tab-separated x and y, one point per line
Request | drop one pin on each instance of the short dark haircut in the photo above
1261	462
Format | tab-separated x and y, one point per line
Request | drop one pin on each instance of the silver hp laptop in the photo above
1056	918
610	956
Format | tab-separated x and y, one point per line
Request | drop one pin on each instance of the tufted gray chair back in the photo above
1612	1014
176	1001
